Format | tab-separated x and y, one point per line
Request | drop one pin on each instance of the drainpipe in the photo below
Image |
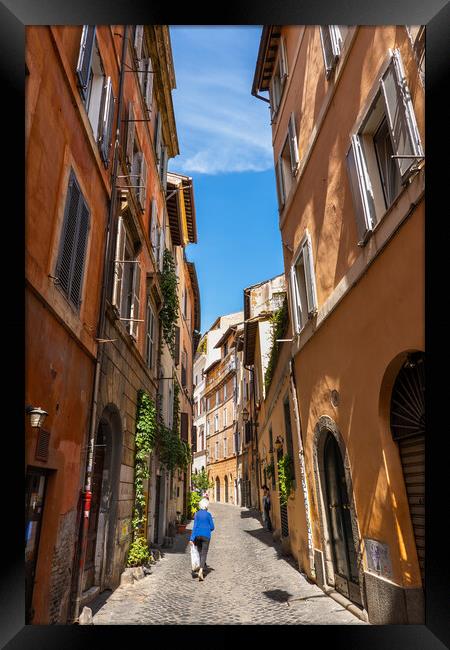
87	494
301	456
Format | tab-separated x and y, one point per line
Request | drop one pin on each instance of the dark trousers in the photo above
202	543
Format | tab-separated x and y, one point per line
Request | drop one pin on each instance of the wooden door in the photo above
34	507
97	477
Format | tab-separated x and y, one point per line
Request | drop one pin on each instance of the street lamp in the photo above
37	416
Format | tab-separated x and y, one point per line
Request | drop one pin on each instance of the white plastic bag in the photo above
195	558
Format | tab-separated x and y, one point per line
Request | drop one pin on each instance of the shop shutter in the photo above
85	58
106	116
130	137
400	115
361	189
118	263
135	304
293	145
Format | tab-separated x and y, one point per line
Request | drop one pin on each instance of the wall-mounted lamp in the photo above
37	416
279	442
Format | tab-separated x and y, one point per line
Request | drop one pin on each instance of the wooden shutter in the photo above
68	235
79	253
85	58
295	297
400	115
161	246
177	346
280	183
138	37
184	426
135	304
310	276
335	39
142	181
118	263
130	137
194	439
329	54
283	60
164	161
153	227
149	86
71	259
361	190
106	116
293	145
150	335
158	128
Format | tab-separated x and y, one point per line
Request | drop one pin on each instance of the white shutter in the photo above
400	115
293	145
149	86
336	39
130	136
329	55
295	299
135	304
283	60
138	37
361	190
280	183
118	262
153	227
158	138
143	182
106	118
310	276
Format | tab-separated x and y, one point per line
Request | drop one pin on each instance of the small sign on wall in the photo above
378	558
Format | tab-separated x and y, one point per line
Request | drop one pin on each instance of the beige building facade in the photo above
347	109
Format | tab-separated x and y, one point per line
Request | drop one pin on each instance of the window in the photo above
73	243
144	65
224	418
303	285
208	403
150	336
225	349
208	426
287	165
225	447
216	449
136	163
385	151
202	438
225	391
127	278
216	422
184	368
96	91
217	397
332	38
278	80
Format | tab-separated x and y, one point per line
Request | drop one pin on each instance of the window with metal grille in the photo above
73	243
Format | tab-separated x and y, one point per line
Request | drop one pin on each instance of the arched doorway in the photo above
99	560
337	506
217	489
407	421
226	488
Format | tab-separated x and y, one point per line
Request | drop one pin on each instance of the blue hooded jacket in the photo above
203	525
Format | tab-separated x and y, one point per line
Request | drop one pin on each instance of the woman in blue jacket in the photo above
201	533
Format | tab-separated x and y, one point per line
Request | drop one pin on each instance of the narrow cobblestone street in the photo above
248	581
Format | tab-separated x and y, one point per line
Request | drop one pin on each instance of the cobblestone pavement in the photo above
248	581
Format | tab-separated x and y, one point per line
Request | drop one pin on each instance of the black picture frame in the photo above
435	14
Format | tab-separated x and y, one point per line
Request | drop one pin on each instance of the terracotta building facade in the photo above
347	106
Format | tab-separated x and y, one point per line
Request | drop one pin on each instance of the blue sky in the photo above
225	144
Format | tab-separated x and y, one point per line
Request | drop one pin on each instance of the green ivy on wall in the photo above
170	309
145	441
172	451
279	322
285	478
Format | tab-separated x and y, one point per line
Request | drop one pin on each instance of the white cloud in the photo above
221	127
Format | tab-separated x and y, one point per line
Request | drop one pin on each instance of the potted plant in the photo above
181	526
